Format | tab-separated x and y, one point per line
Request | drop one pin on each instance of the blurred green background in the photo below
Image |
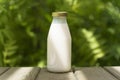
94	27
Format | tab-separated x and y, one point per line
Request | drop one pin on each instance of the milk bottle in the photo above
59	44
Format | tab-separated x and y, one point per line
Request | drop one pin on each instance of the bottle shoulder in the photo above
59	30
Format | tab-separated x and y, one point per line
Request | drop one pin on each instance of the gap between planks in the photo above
37	74
114	70
3	70
93	73
20	73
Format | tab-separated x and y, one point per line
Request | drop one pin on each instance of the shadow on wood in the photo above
45	75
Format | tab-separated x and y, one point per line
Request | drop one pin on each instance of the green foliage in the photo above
94	26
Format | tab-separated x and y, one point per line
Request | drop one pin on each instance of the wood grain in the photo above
114	71
45	75
20	73
93	73
3	69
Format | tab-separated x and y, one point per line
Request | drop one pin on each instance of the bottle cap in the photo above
57	14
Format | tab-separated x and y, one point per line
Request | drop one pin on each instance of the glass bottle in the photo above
59	44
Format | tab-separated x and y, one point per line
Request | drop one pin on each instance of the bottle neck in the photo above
59	20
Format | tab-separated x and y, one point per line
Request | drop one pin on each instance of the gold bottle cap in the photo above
57	14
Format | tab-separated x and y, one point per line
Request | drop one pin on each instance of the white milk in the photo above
59	45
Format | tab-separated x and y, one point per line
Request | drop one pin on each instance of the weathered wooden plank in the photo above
114	71
93	73
20	73
3	69
45	75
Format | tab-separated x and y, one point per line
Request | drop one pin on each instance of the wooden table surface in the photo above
79	73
